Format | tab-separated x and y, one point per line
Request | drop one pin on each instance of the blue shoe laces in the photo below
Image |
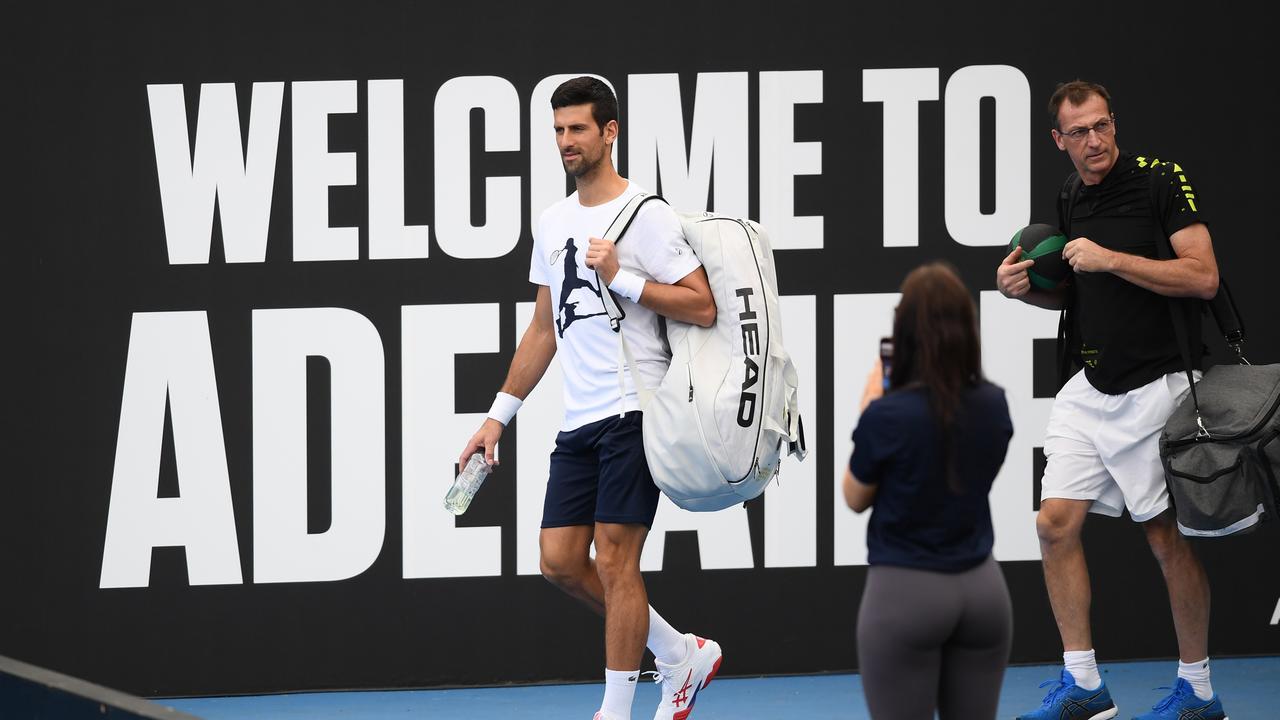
1057	692
1180	692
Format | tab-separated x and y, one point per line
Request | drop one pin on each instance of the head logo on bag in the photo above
750	347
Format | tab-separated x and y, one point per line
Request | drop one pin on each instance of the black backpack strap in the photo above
1179	308
1066	318
1067	202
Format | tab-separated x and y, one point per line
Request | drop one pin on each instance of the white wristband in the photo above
505	406
628	285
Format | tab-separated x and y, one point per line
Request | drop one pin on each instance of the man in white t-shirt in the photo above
600	489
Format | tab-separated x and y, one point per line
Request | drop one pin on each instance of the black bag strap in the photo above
1179	308
1223	306
1067	202
1227	316
1066	318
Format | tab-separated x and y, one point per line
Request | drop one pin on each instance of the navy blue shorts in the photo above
599	474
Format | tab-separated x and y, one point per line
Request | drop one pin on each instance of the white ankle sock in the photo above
665	642
1197	674
1083	666
619	690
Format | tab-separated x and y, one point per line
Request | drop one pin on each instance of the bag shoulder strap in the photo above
621	223
1179	309
1067	202
1066	318
1226	315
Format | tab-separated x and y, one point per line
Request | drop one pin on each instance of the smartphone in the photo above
886	358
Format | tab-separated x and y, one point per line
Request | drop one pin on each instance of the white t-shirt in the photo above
653	248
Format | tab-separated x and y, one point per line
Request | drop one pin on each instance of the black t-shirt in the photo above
916	520
1125	332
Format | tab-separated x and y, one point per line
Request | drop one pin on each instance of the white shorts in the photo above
1106	448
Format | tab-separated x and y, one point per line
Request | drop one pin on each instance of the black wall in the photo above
87	250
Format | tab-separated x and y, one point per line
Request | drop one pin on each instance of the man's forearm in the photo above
1047	299
533	357
1180	277
678	303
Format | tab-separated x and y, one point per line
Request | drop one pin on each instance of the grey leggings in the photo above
931	640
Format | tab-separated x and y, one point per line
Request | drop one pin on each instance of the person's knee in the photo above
1167	544
612	567
617	558
1058	523
563	570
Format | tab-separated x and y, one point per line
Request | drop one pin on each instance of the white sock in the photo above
1197	675
619	690
1083	666
665	642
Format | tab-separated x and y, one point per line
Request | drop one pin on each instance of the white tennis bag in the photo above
715	429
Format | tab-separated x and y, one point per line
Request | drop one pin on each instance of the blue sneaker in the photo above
1069	701
1182	704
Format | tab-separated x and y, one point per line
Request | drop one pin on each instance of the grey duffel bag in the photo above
1221	451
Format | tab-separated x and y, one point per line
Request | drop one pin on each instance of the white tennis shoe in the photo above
681	683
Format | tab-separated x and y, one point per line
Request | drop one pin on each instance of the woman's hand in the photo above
874	389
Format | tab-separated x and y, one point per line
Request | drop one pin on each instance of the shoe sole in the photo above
1107	714
715	669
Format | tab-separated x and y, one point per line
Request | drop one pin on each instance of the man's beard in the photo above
582	167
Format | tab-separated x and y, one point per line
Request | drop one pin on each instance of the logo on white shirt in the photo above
574	290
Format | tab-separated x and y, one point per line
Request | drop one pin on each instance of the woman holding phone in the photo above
935	623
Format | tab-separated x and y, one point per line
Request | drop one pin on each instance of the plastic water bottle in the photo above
458	499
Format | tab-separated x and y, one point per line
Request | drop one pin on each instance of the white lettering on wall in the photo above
170	359
433	434
283	550
901	90
539	419
966	222
657	147
389	237
724	539
791	501
455	234
782	158
219	168
1008	329
315	170
858	323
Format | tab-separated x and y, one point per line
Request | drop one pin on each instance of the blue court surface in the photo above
1249	687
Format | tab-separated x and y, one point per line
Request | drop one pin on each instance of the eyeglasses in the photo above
1103	127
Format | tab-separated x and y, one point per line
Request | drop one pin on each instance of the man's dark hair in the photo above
1075	92
583	90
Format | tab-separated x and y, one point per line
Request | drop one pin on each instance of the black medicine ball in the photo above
1043	244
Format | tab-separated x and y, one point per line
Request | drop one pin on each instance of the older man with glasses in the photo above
1102	439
